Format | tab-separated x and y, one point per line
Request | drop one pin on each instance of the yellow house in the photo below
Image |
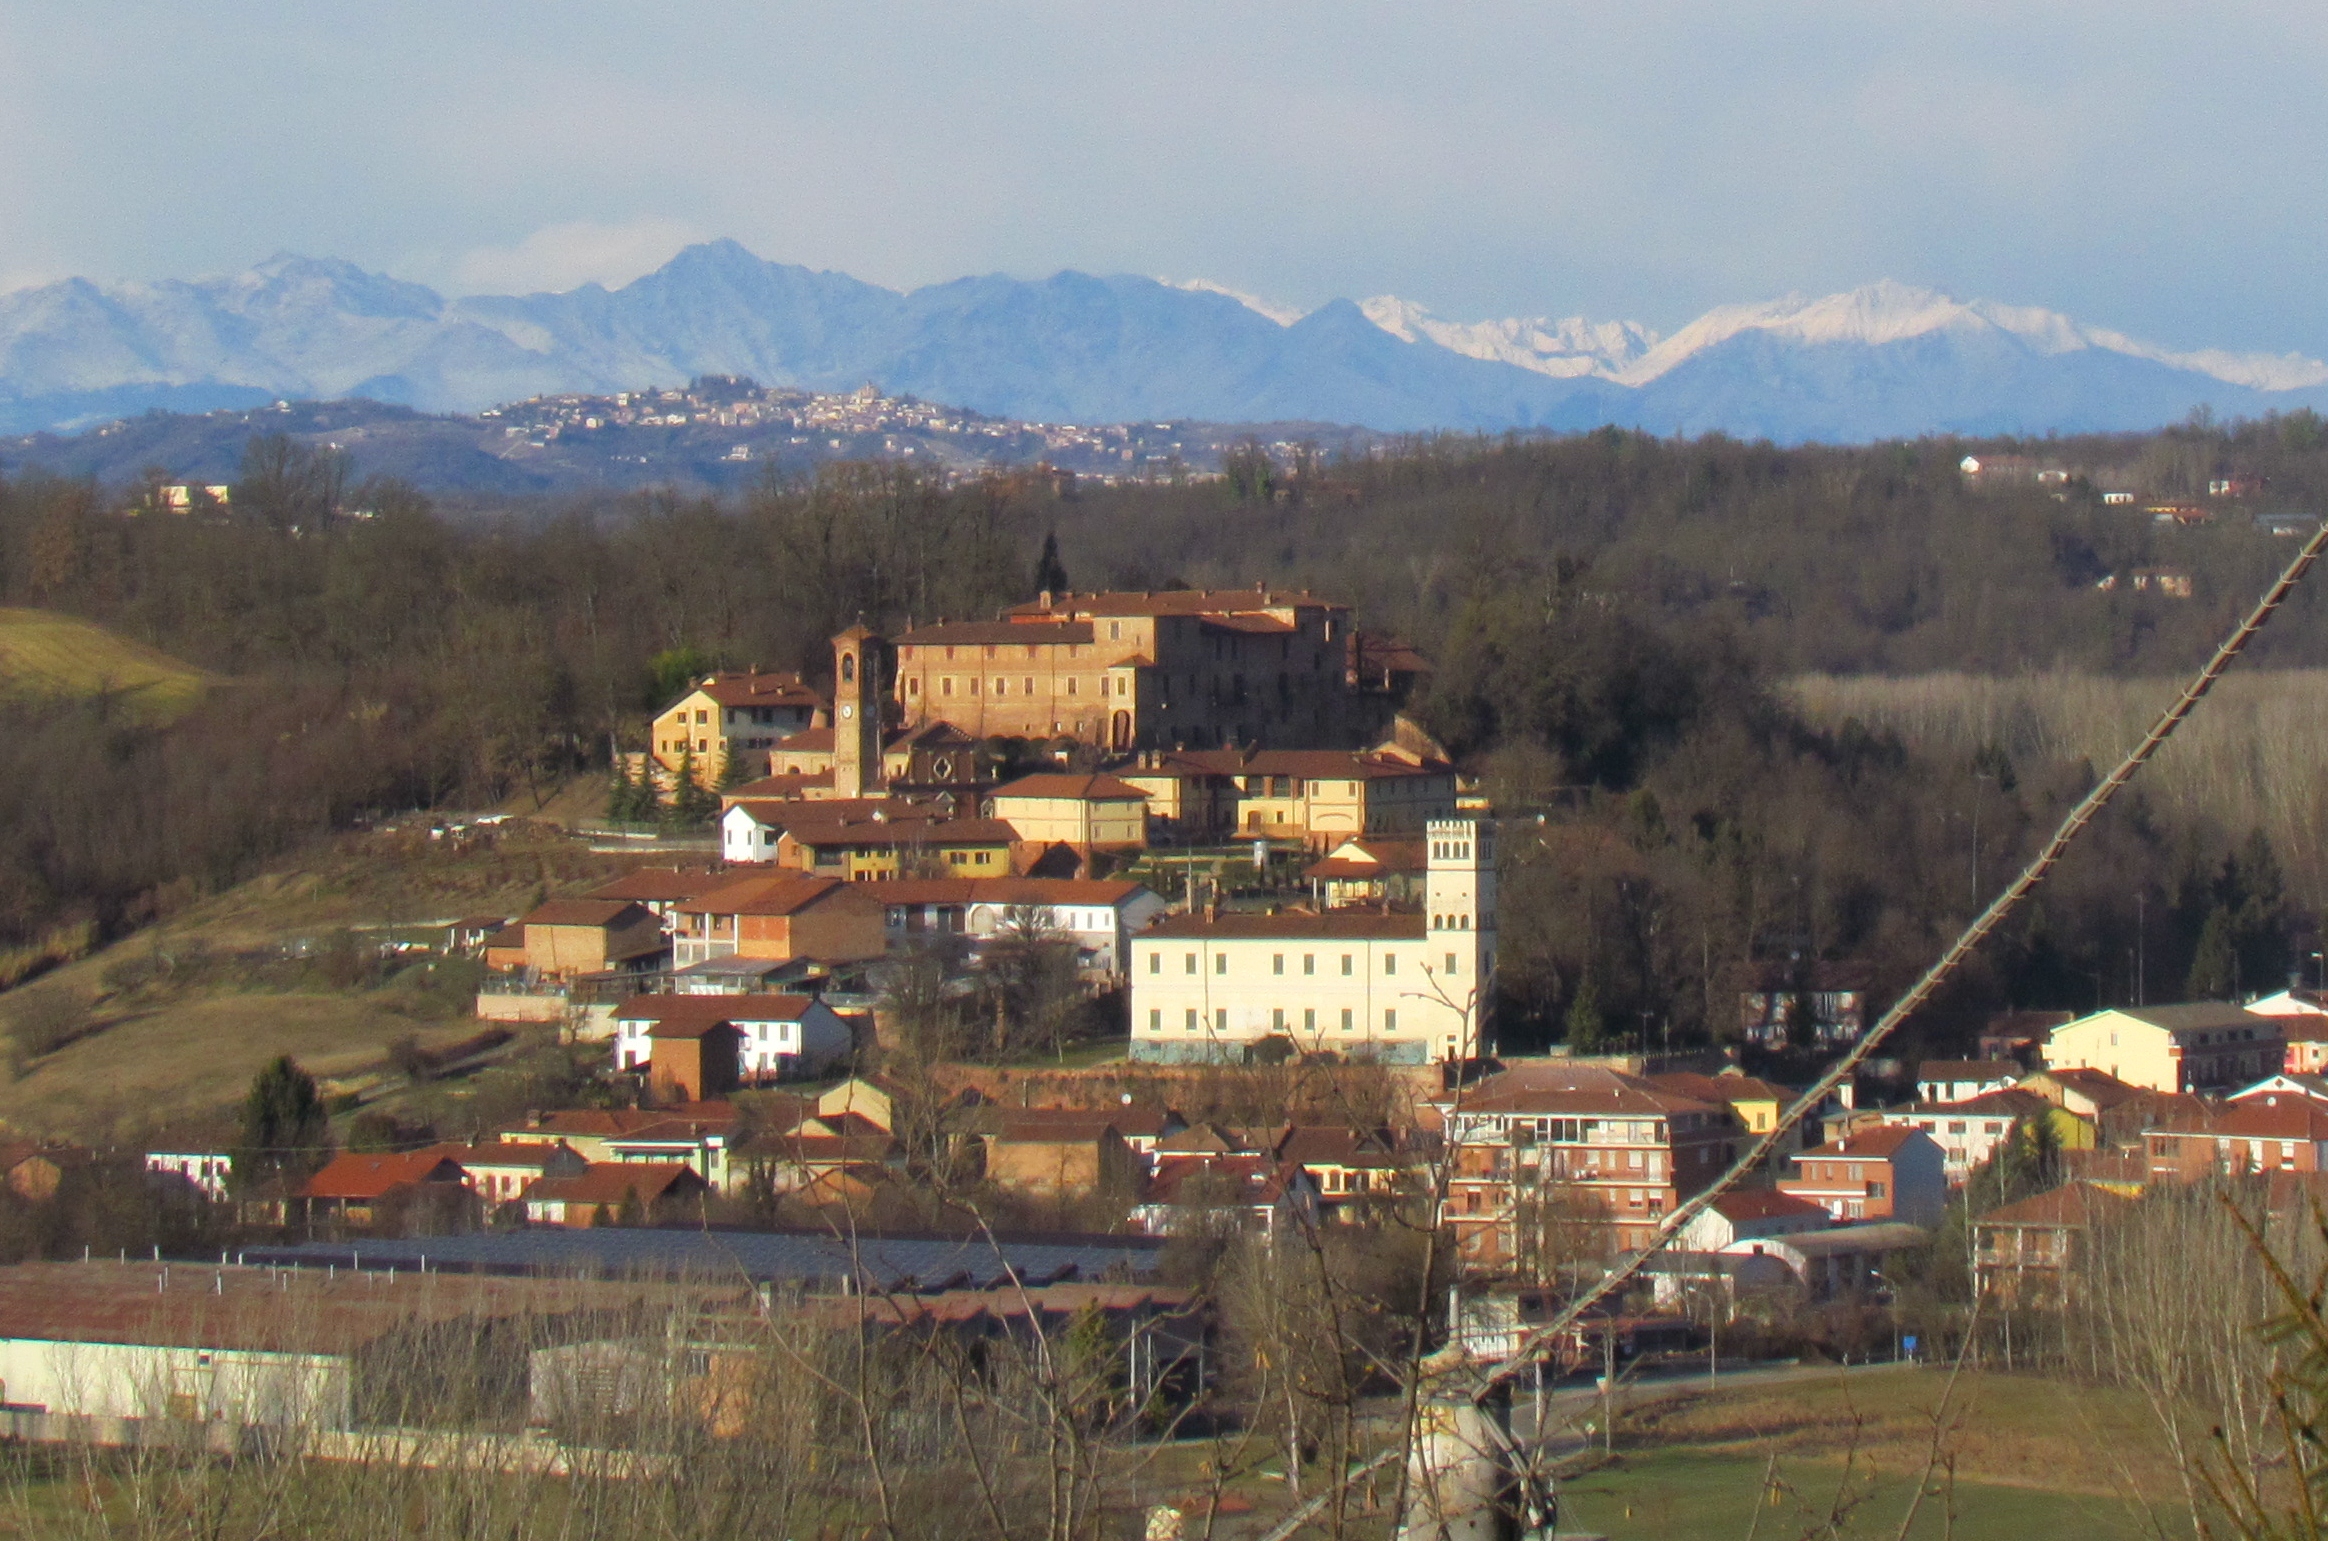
874	846
2205	1046
726	714
1322	797
1092	812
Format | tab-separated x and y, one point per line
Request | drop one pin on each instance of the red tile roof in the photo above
2071	1204
1764	1204
350	1175
696	1013
1876	1144
984	633
612	1182
768	895
647	885
1093	788
1054	891
754	689
1295	926
604	913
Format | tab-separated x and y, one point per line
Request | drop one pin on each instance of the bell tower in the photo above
1459	890
859	668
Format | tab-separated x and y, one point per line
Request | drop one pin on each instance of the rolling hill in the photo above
43	653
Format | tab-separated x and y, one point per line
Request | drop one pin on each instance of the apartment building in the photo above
1556	1162
2204	1046
1403	988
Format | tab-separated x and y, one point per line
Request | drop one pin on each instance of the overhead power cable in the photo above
2088	807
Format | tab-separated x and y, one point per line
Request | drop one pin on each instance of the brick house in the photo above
1559	1158
2029	1252
565	937
779	917
600	1193
1887	1173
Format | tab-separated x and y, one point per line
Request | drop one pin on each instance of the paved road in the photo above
1568	1408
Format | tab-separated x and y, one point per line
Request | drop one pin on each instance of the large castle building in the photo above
1182	668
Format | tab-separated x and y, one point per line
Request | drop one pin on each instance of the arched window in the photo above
848	668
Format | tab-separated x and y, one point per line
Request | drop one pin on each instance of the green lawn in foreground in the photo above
1680	1495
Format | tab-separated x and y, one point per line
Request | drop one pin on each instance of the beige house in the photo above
1088	812
1320	797
1400	987
578	936
733	714
2204	1046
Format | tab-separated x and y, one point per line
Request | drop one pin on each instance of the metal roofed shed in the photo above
251	1345
811	1260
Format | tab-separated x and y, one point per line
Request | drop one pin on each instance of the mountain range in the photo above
1887	360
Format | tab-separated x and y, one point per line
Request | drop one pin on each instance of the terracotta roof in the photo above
930	829
698	1012
2071	1204
1109	891
786	895
657	884
353	1176
501	1153
2273	1116
1295	925
751	689
2099	1087
2006	1102
607	913
1874	1144
1764	1204
1720	1089
874	1146
1079	1131
2197	1016
602	1123
983	633
1091	789
292	1310
1249	625
1244	1179
612	1182
1340	765
787	788
1558	1088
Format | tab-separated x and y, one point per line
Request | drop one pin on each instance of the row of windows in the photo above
1278	1020
1309	963
913	686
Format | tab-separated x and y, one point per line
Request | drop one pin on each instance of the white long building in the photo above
1400	987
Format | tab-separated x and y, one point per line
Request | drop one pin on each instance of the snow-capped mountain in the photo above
1876	362
1563	349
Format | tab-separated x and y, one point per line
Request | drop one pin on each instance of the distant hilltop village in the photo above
718	432
865	423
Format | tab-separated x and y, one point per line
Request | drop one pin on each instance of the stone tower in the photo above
859	668
1459	891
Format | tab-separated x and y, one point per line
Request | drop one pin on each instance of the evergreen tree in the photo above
1050	572
623	795
286	1131
691	803
1587	1023
735	769
2214	972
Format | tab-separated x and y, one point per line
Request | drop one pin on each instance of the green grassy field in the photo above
1841	1454
46	654
1683	1495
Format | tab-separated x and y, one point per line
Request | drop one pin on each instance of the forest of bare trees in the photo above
1614	619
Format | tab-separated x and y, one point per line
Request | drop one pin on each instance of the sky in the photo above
2151	167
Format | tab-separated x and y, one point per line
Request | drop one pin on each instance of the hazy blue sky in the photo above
2154	167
